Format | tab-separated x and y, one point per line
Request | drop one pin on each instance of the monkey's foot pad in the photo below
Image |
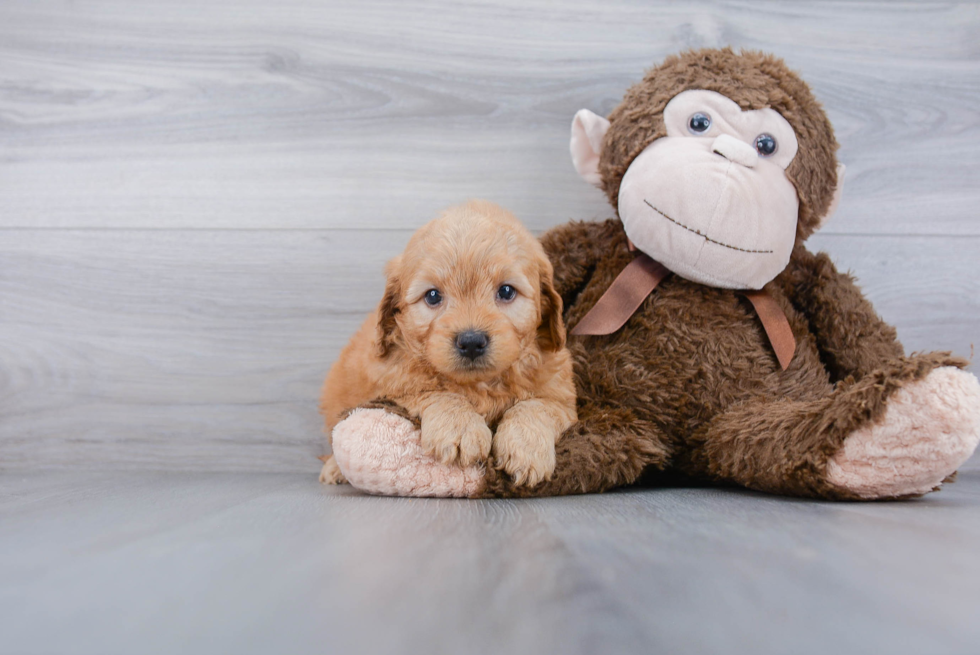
930	428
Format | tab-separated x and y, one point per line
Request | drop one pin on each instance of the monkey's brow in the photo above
704	236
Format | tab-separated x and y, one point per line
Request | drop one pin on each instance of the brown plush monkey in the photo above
707	340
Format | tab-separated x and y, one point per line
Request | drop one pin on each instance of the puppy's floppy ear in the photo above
387	325
551	331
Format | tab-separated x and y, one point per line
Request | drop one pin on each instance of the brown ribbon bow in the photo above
638	280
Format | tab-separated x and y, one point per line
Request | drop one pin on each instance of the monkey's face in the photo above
711	200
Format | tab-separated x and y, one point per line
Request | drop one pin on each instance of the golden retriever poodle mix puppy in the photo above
469	338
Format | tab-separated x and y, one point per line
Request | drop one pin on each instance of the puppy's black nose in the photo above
472	344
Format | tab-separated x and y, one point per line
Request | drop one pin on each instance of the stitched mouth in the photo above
705	236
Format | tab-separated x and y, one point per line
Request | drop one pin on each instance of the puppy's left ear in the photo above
551	331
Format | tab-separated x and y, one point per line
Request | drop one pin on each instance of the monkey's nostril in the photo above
472	344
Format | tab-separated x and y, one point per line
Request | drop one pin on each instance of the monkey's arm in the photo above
575	247
852	338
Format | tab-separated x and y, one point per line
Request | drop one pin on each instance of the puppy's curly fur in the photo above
473	271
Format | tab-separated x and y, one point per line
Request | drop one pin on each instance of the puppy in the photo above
468	336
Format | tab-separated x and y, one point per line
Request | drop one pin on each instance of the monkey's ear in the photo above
551	330
836	199
588	131
388	309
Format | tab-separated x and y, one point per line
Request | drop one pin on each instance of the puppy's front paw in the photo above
330	473
525	450
456	437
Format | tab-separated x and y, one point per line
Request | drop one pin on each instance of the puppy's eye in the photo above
506	293
433	298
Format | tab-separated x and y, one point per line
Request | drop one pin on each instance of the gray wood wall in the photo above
196	199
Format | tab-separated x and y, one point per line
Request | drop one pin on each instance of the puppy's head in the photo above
471	295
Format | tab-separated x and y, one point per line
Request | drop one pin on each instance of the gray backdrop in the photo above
196	201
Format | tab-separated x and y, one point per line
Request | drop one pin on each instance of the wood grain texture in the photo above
375	114
141	563
205	350
196	199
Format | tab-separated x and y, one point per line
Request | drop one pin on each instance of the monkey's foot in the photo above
930	428
381	453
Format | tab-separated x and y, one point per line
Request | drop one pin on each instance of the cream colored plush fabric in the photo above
931	428
707	205
380	453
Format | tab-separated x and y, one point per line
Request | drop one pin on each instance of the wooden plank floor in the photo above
191	563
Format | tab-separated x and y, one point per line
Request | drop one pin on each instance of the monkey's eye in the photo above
506	293
699	123
433	298
765	145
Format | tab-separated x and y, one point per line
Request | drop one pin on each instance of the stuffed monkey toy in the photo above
707	340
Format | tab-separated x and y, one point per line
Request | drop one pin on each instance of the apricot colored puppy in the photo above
469	335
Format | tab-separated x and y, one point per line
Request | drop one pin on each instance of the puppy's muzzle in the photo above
472	344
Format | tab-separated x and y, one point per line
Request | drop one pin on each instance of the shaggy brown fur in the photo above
690	384
408	350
